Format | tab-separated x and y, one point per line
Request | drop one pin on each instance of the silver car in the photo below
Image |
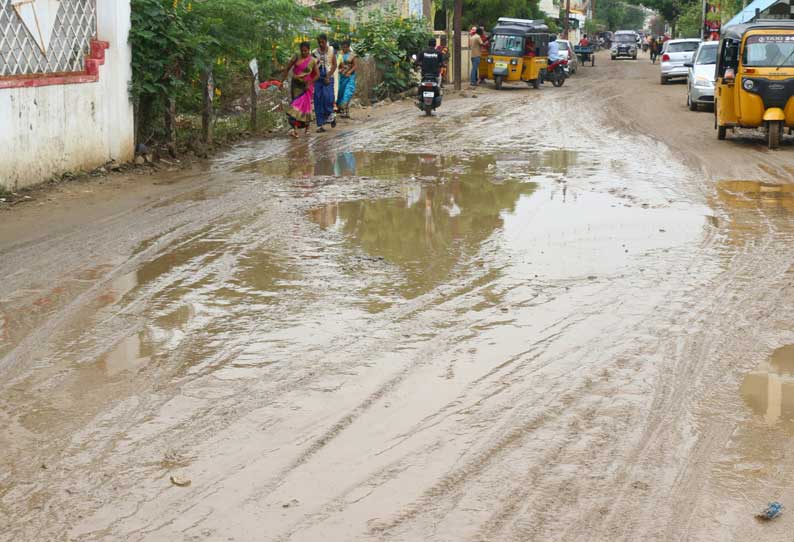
700	79
675	55
624	44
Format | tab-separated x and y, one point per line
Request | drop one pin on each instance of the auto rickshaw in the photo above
755	78
518	51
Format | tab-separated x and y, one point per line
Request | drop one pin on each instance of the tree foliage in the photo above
619	15
174	41
391	40
486	12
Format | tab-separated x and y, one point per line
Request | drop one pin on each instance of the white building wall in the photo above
48	130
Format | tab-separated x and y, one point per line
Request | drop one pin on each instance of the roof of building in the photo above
748	14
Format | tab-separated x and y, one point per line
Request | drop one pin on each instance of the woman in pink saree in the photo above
305	73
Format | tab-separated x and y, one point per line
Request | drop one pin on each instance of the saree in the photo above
299	112
347	83
324	98
324	92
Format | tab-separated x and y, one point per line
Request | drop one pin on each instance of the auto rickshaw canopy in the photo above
737	31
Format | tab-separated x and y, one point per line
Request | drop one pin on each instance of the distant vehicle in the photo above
700	79
675	55
755	68
624	44
566	51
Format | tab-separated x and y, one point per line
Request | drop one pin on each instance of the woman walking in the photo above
305	73
347	80
324	86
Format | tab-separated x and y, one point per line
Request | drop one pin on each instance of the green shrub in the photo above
392	40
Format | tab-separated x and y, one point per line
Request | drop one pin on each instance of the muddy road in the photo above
542	315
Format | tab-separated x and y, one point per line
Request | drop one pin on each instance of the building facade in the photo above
64	78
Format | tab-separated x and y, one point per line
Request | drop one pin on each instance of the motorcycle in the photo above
429	95
556	72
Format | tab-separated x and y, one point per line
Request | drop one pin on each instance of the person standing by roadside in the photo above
325	56
443	50
347	80
305	73
476	42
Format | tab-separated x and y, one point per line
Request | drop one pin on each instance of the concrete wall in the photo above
48	130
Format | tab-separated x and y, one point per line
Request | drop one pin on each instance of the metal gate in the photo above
45	36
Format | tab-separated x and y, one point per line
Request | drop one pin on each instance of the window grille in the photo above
73	29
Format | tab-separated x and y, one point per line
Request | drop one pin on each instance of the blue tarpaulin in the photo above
747	14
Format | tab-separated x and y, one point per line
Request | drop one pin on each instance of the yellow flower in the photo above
176	3
218	92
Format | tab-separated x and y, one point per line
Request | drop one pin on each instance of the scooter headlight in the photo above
748	84
490	60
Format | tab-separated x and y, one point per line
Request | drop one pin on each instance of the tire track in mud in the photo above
520	447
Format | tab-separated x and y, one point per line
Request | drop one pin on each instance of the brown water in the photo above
769	390
348	339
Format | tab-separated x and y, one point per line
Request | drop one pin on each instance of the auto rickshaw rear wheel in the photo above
498	82
774	129
535	82
721	132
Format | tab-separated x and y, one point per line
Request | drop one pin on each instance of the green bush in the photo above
174	42
391	40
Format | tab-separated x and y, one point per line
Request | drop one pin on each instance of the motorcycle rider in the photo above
553	53
554	49
431	61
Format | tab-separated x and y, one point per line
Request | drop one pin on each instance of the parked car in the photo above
566	51
675	55
624	44
700	78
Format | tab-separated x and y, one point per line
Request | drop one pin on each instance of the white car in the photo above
700	80
566	51
676	54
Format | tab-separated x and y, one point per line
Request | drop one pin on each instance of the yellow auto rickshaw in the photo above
518	51
755	78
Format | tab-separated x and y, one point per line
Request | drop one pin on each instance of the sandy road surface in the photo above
543	315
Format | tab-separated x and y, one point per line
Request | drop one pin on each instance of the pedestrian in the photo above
443	50
325	57
347	80
305	73
476	42
654	50
485	50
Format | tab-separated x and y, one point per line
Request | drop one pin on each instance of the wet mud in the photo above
457	328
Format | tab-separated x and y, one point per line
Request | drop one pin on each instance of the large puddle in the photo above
399	165
538	208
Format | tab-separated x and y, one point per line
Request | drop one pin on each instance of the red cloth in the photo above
264	85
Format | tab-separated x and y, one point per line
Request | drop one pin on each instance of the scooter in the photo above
556	72
429	95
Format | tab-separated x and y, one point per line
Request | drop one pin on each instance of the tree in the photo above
486	12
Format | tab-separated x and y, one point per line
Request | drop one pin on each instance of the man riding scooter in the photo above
555	72
430	61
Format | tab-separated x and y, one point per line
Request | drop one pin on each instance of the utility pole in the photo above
457	28
567	21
